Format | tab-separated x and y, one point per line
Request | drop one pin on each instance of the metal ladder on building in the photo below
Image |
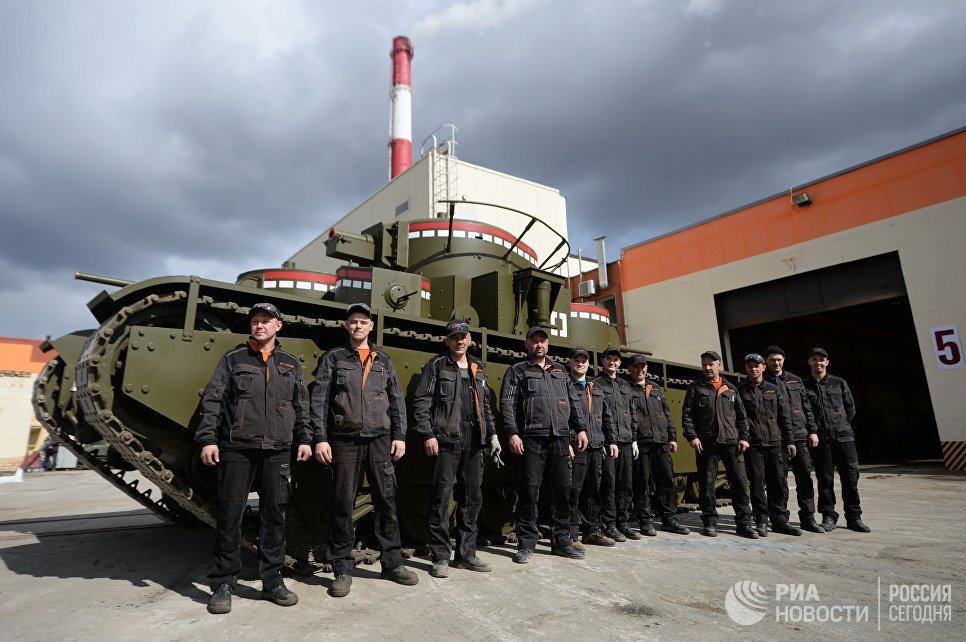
441	146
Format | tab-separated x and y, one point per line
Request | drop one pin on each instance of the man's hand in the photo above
792	451
209	455
813	441
635	449
397	449
672	446
614	451
431	446
493	451
516	445
582	441
570	452
696	444
304	453
323	452
743	445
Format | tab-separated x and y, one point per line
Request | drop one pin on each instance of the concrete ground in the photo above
78	560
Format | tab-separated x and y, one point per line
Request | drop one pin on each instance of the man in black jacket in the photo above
451	411
715	425
656	440
834	408
804	433
359	422
769	436
587	465
617	481
540	409
253	407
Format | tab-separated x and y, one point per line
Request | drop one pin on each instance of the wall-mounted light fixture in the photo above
802	199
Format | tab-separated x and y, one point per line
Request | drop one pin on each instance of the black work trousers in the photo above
550	454
768	480
707	463
830	455
350	456
617	487
269	472
801	465
653	466
460	461
588	506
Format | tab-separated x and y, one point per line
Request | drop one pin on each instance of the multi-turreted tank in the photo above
135	382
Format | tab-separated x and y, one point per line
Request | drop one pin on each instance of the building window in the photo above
610	304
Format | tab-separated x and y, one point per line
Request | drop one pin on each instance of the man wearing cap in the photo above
656	440
540	409
617	482
585	480
451	411
359	423
770	434
714	424
834	408
253	408
803	433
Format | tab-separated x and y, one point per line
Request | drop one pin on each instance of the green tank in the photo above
136	380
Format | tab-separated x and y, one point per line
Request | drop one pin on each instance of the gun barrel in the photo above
103	280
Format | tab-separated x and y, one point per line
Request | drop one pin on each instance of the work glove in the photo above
493	451
792	451
635	449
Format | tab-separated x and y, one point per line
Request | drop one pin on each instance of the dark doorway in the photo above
874	347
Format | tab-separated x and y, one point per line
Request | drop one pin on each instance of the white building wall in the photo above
16	414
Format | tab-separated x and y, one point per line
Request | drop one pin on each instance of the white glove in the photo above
635	449
792	451
494	450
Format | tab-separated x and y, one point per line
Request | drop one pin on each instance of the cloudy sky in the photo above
141	139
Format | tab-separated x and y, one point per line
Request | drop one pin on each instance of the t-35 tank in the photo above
135	382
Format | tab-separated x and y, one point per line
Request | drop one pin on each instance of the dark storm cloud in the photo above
211	138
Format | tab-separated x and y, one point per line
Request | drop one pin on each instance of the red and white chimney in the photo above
400	108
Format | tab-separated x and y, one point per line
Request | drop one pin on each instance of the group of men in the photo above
602	445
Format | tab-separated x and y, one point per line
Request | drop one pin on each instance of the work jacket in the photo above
596	414
799	408
617	396
650	415
832	406
438	404
539	402
343	407
713	414
767	414
250	403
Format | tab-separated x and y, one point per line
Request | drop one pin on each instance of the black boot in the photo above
220	601
785	528
808	524
647	528
761	525
671	525
858	526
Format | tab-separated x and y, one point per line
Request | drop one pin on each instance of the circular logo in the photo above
746	603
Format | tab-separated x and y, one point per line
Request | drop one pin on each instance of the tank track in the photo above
89	459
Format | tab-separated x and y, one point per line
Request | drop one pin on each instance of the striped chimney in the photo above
400	108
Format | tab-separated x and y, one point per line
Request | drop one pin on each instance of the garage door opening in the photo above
871	343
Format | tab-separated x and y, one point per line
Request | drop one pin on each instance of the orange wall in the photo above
908	181
22	355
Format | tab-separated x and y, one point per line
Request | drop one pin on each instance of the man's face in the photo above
639	372
711	368
610	363
818	364
578	366
754	370
537	346
358	325
776	363
264	326
458	344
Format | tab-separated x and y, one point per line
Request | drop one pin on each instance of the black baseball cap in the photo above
358	307
817	350
711	353
580	352
770	350
456	326
535	329
265	307
754	356
611	350
637	360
